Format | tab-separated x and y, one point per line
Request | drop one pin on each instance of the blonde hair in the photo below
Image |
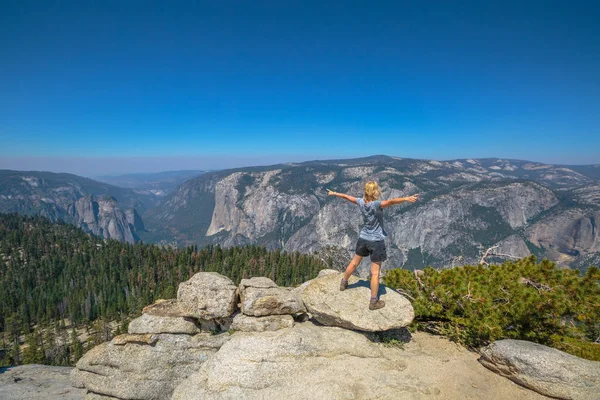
372	191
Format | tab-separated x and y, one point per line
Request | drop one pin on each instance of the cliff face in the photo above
103	218
69	198
465	207
457	224
567	235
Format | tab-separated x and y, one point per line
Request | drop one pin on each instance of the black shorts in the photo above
374	249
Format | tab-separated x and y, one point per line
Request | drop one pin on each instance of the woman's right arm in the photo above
342	195
399	200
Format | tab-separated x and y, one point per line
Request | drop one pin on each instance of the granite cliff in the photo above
104	210
466	206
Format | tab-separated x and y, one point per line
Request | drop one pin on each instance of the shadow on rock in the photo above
392	337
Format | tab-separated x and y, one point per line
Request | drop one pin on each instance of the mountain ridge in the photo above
230	207
103	209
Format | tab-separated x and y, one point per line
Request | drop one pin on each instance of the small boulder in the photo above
350	308
176	309
258	282
261	296
153	324
325	272
548	371
246	323
208	295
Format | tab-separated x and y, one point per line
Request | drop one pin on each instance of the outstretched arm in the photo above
398	200
342	195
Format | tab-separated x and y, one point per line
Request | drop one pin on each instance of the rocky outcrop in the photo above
209	295
546	370
277	356
37	382
166	344
261	296
349	308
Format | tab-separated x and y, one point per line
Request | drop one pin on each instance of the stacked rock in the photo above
174	338
220	341
264	306
169	342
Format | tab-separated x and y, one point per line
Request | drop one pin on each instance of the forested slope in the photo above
51	273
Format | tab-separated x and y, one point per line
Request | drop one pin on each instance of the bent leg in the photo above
375	268
352	266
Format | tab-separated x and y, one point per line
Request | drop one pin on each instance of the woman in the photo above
371	239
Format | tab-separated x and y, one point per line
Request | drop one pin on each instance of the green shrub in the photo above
475	305
577	347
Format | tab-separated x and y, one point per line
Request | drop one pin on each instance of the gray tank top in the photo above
373	219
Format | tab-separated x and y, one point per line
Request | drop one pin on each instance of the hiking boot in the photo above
376	305
343	285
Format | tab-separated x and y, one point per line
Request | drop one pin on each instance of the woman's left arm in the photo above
341	195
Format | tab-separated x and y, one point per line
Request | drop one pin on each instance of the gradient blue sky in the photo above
227	83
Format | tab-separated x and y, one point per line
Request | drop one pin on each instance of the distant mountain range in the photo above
159	183
466	206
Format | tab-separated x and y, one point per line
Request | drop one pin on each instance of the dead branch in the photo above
403	293
539	286
419	279
468	295
486	254
491	252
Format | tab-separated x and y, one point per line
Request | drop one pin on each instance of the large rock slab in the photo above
350	308
245	323
310	362
208	295
144	366
303	362
261	296
37	382
546	370
148	323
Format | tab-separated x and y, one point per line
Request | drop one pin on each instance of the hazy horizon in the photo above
95	168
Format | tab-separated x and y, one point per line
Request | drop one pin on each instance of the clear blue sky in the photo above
251	81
